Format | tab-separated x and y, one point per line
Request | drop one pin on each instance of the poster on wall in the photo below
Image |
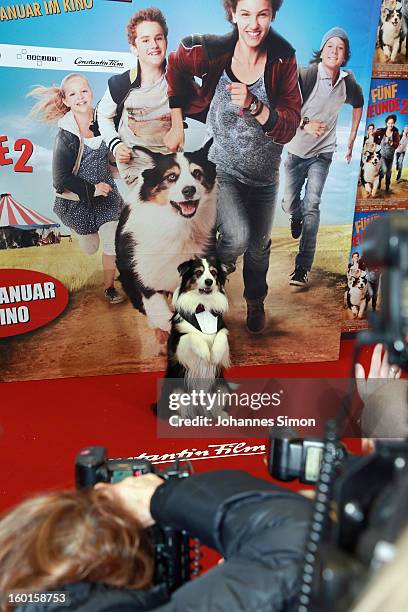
362	293
65	187
391	50
384	176
382	189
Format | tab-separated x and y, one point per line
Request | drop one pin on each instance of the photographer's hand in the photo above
380	372
134	494
375	418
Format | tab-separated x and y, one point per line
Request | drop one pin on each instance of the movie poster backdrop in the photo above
93	337
362	285
388	103
391	49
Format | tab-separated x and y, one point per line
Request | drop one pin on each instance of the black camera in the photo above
368	494
177	556
386	246
299	459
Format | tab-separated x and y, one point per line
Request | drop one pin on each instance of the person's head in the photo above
370	129
77	95
65	537
334	49
147	35
252	18
406	130
355	257
362	264
390	121
74	93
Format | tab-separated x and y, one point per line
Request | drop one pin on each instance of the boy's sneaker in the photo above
298	278
112	296
296	226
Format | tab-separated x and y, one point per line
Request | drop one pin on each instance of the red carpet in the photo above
43	424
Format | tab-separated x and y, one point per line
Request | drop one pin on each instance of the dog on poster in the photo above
198	348
169	218
391	35
356	296
371	172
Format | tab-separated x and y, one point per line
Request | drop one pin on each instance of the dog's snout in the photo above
188	191
208	282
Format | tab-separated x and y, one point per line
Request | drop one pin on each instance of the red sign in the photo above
28	300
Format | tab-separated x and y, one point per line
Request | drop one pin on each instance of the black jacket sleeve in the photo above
63	162
260	530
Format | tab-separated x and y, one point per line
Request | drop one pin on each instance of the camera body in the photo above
299	459
386	246
176	554
368	494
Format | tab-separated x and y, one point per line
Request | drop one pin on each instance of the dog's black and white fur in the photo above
371	172
198	348
356	296
197	351
390	35
169	218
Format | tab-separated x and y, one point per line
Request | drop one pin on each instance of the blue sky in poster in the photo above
302	23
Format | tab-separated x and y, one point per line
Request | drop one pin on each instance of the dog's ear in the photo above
184	267
143	158
200	157
207	146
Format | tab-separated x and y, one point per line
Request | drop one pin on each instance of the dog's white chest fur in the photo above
202	354
357	295
391	33
371	172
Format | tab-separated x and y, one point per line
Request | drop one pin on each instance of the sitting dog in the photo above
169	217
356	296
197	349
391	33
371	172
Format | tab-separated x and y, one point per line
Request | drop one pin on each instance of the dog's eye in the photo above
213	271
172	178
198	273
197	173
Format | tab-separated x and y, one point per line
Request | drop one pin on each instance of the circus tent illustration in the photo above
22	226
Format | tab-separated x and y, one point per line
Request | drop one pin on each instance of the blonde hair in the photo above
50	106
69	536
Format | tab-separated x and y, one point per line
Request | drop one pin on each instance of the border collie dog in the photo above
198	344
169	218
371	172
391	33
197	349
356	296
